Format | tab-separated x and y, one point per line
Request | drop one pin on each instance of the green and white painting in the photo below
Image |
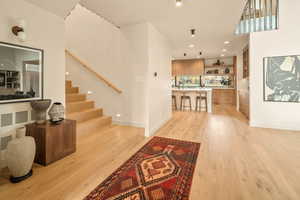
282	79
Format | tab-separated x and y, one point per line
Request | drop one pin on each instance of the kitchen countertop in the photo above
192	89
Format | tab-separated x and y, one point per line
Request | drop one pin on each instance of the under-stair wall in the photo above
97	43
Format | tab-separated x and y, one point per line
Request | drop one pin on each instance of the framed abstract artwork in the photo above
282	79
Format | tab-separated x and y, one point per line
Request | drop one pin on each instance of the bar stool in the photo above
174	102
183	100
202	96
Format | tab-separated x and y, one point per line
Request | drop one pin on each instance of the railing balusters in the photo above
259	15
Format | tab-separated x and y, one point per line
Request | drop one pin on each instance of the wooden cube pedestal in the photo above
53	142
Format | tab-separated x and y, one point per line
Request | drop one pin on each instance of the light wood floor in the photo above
236	162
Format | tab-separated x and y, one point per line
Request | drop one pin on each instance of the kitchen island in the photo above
193	93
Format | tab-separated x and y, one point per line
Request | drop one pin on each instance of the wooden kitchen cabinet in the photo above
187	67
244	103
53	142
224	96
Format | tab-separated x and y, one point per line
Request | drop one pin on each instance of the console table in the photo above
53	142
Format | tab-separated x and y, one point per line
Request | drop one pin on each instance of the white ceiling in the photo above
214	21
58	7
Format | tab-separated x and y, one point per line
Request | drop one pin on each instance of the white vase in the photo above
56	112
20	156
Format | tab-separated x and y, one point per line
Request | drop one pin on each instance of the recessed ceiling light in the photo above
224	50
178	3
222	55
191	45
226	42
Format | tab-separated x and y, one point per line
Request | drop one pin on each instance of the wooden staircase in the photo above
78	108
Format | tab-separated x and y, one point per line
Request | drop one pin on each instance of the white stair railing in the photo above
259	15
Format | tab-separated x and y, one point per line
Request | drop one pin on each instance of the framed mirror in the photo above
21	73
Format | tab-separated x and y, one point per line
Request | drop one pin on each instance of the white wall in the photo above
284	41
45	31
96	42
126	56
159	88
144	52
135	60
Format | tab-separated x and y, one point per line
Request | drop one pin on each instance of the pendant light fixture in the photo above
193	32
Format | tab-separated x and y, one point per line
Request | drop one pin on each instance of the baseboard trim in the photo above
134	124
274	125
158	126
140	125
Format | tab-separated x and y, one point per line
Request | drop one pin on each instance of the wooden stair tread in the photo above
84	111
78	106
93	125
79	102
75	97
75	94
93	112
72	90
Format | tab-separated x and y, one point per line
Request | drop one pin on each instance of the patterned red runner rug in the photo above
161	170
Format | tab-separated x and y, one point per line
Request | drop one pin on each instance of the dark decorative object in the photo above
227	70
40	107
282	79
217	63
31	92
56	113
155	74
209	71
